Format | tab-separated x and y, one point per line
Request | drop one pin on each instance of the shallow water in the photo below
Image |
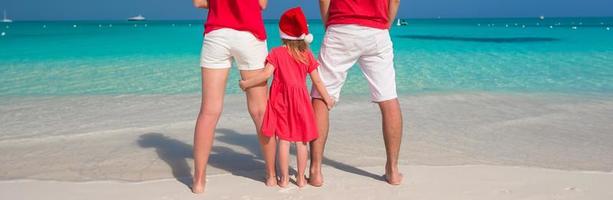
161	57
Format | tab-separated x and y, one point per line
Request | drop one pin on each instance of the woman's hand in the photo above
204	4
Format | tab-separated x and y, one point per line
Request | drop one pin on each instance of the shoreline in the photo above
137	138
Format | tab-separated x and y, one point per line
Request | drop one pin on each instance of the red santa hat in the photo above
293	26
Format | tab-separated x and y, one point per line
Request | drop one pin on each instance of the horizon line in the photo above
318	19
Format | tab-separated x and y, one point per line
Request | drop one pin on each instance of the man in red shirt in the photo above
358	31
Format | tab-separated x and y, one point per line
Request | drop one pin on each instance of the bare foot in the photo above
284	181
271	181
301	182
198	187
392	176
316	179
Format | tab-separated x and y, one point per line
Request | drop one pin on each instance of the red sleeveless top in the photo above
240	15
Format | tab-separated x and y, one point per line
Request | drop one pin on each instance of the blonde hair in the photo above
297	49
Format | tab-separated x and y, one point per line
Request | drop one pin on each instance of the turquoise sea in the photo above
561	55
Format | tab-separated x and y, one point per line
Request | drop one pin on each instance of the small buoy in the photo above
99	25
523	26
574	28
3	33
74	26
550	26
608	28
506	26
516	24
478	24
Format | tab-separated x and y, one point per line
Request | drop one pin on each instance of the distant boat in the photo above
401	22
6	20
137	18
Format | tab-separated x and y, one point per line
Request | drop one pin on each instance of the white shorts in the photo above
372	48
220	46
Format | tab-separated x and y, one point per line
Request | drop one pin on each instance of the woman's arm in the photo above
263	4
321	89
257	79
204	4
392	11
324	6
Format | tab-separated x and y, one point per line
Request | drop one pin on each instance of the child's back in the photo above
289	114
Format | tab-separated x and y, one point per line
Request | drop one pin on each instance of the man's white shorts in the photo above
372	48
220	46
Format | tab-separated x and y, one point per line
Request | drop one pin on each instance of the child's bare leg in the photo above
284	162
301	155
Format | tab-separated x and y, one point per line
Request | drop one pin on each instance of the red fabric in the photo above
293	22
289	114
370	13
241	15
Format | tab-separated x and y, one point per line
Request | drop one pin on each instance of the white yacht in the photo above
401	22
6	20
137	18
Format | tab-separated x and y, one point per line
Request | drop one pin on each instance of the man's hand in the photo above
392	10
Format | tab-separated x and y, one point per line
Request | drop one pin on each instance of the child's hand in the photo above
241	84
329	102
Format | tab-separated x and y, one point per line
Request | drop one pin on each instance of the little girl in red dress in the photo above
289	115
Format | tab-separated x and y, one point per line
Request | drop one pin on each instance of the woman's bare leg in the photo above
213	89
284	162
257	97
301	155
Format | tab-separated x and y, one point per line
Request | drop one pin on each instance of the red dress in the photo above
289	114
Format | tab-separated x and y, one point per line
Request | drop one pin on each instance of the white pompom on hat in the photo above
293	26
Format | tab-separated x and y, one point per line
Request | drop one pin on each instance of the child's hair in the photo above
297	49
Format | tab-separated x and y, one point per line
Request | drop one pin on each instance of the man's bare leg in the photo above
256	102
392	135
213	88
317	146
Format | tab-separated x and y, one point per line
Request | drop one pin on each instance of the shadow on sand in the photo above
250	165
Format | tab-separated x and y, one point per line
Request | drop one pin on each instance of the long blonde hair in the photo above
297	49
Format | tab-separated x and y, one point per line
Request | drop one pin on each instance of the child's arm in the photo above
204	4
319	86
258	78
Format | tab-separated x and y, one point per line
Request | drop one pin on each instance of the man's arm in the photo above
204	4
324	6
263	4
392	11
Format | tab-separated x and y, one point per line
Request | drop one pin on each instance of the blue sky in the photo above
182	9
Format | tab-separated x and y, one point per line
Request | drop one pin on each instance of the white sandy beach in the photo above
456	146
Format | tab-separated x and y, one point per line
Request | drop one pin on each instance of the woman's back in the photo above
241	15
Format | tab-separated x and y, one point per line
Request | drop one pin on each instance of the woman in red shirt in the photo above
234	31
